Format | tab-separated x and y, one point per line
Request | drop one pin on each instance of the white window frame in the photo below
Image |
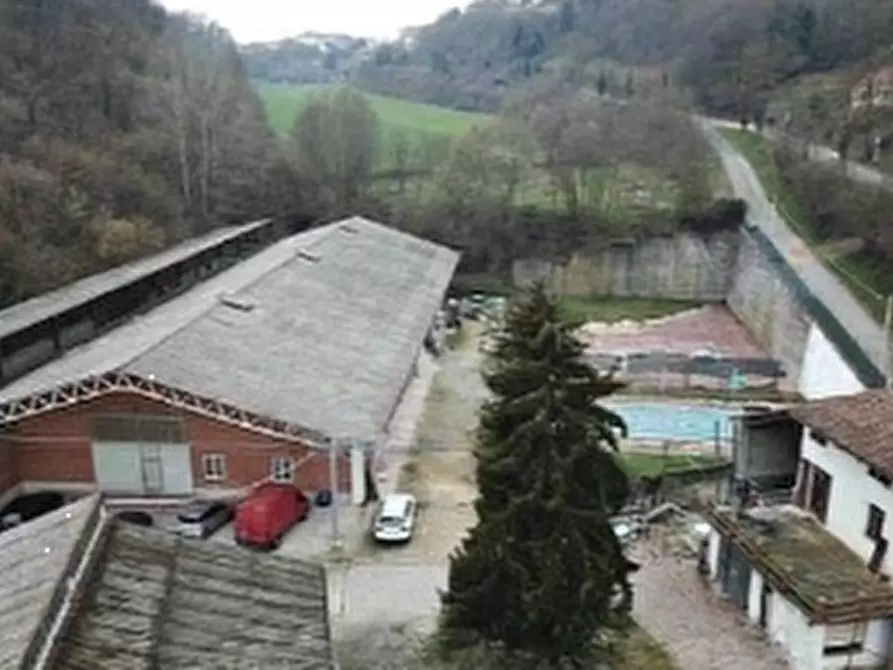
214	467
282	469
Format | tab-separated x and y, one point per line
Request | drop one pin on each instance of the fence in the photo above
868	373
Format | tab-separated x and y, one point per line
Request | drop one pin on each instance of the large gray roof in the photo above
34	557
330	324
30	312
158	601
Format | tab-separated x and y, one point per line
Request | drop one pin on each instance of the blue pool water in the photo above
673	421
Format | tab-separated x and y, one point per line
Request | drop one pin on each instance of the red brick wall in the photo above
8	472
56	446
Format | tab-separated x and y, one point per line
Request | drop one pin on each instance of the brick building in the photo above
256	373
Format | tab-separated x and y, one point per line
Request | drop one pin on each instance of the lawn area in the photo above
284	102
855	274
640	651
642	464
612	310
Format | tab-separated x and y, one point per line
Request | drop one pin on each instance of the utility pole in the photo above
888	355
333	487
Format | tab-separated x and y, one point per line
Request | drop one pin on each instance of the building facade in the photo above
287	367
802	546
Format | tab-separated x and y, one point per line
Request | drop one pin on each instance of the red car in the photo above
265	516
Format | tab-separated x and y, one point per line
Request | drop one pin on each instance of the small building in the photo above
875	90
802	545
82	590
261	372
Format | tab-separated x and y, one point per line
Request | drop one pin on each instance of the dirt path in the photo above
441	472
440	467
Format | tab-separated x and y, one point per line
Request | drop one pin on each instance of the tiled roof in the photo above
861	424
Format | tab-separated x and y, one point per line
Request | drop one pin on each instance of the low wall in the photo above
685	266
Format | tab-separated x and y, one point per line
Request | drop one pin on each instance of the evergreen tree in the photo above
542	571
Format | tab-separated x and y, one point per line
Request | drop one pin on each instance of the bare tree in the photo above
335	144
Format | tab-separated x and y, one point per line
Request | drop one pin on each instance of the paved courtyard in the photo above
700	628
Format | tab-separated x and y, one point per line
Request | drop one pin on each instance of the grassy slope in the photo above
639	464
854	275
611	310
284	102
614	190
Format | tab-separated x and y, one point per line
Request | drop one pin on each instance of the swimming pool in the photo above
676	421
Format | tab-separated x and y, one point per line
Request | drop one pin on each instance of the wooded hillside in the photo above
122	130
729	54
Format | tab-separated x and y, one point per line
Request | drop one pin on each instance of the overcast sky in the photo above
265	20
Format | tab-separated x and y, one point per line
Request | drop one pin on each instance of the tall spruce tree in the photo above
542	571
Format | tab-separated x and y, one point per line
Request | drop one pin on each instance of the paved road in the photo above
821	281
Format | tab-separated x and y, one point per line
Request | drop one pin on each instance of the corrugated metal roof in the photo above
158	601
33	558
321	330
42	307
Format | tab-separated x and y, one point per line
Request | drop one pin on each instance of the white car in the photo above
395	519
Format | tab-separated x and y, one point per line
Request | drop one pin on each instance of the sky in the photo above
268	20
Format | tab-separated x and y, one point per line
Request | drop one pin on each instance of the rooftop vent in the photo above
350	229
308	256
237	303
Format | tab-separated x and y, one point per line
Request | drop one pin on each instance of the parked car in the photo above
265	516
30	506
136	517
203	518
395	519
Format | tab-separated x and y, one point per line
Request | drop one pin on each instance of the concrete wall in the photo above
766	304
852	490
683	266
824	371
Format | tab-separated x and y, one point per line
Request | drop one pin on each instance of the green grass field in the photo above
611	310
640	464
426	131
284	102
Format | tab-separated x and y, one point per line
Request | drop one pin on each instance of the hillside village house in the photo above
875	90
803	547
254	374
81	590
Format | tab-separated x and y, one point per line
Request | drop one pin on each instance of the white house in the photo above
803	546
824	371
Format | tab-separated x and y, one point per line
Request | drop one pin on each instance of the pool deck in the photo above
711	330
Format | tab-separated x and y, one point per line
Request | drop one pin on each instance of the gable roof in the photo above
81	590
319	330
861	424
34	559
158	601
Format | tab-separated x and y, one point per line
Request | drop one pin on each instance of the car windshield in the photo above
193	514
390	520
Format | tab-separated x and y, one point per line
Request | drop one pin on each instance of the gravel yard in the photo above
439	469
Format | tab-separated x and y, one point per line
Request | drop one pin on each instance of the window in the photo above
875	526
214	467
844	639
282	469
